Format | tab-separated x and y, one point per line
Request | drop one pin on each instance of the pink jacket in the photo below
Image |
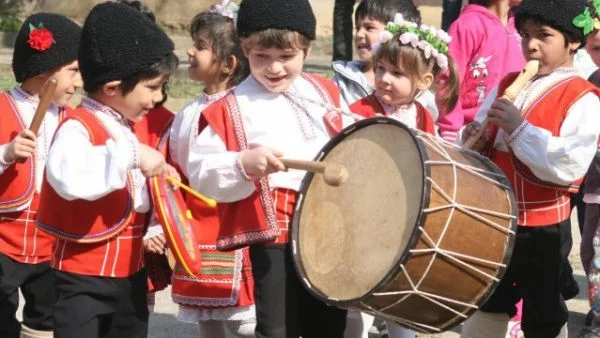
484	50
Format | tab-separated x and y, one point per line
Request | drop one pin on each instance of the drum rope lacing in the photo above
455	257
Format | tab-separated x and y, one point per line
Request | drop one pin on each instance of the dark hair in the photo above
221	33
412	61
140	7
165	67
386	10
539	20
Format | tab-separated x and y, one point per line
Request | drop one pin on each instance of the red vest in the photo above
542	203
17	182
19	238
97	238
254	219
369	107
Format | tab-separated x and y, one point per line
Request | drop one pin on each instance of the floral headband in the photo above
227	8
587	20
433	42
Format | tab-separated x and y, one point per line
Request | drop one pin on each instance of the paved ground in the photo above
164	325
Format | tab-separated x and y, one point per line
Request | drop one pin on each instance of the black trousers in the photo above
36	284
98	307
342	30
534	275
284	308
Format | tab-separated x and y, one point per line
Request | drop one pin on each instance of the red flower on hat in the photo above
40	38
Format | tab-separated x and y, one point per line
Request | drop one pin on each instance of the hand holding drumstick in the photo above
262	161
22	147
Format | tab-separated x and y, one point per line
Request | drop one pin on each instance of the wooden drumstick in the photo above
42	107
510	93
334	174
210	202
45	101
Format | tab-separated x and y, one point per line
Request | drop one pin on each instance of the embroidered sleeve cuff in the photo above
240	168
518	131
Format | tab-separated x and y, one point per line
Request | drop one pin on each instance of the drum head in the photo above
347	240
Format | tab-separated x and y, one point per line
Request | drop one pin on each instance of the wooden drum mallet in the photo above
42	107
333	174
511	92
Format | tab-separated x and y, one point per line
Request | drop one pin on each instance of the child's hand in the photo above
173	173
261	161
505	115
152	162
471	130
156	244
22	146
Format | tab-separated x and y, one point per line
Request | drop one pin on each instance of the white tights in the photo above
226	328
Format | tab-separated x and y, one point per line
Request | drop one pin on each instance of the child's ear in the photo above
111	88
573	46
307	52
425	81
230	65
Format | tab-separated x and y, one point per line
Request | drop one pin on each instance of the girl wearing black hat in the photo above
544	142
45	48
235	159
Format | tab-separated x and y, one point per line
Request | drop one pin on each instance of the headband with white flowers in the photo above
227	8
431	41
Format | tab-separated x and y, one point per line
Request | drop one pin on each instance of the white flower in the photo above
442	62
426	48
385	36
409	38
399	19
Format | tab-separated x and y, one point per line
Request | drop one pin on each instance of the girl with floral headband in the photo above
408	61
221	300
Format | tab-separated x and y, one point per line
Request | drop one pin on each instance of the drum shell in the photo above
458	247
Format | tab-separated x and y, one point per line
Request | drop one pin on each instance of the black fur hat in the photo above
258	15
44	42
118	41
558	14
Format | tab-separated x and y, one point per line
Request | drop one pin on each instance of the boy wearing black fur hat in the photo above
46	47
94	196
235	159
544	142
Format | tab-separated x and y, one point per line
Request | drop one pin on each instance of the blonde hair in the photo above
277	38
412	61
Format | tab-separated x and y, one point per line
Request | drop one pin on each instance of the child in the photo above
402	71
234	160
94	196
590	237
544	143
356	78
218	301
46	47
485	46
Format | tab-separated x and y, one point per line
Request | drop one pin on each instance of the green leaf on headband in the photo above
584	21
597	5
31	27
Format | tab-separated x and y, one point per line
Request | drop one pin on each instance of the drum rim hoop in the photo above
413	238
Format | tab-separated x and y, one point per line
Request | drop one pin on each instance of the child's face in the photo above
201	58
546	44
275	68
68	80
593	47
392	85
138	102
367	34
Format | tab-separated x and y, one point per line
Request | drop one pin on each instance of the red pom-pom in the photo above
40	39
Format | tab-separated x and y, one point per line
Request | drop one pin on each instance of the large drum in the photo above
420	233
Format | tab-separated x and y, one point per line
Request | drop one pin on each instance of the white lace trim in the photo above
194	315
